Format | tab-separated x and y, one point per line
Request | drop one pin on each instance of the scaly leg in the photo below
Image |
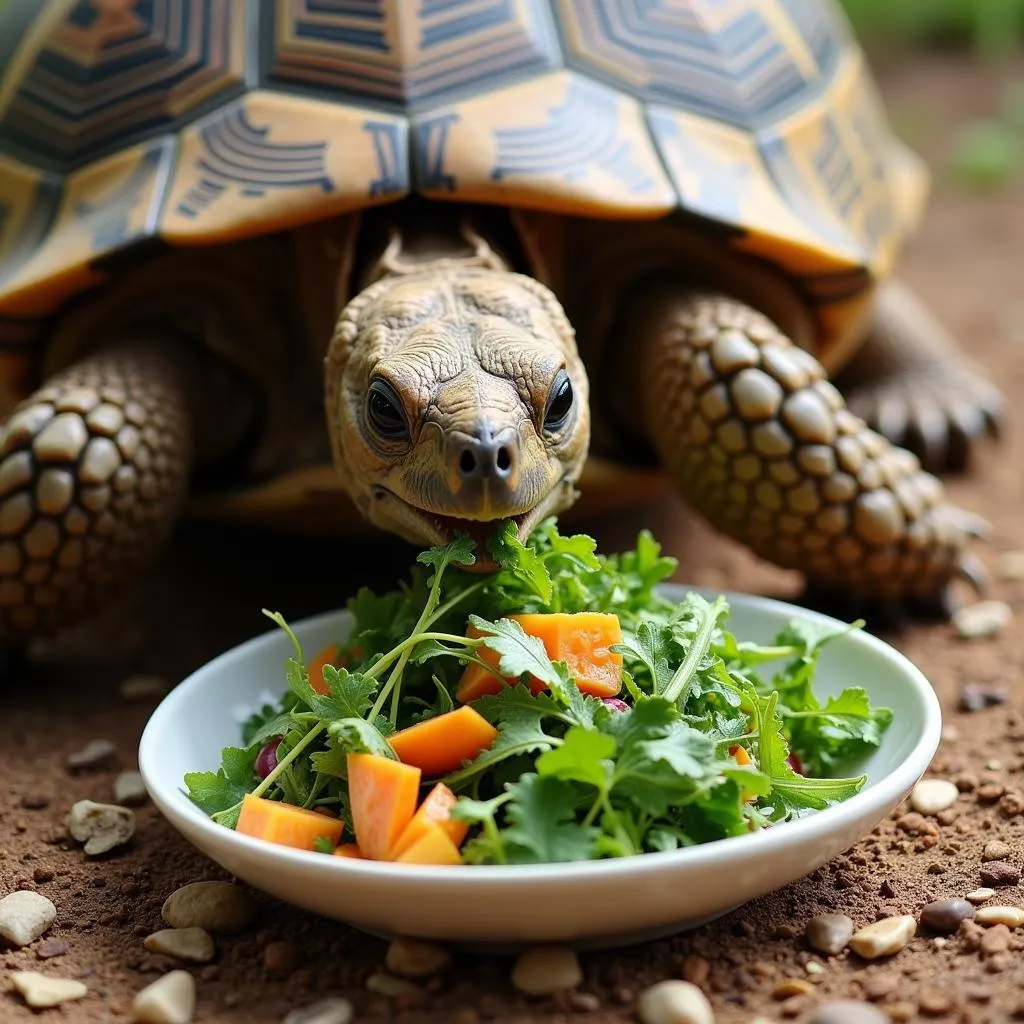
93	472
763	446
912	383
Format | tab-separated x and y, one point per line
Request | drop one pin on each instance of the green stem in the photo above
679	685
285	761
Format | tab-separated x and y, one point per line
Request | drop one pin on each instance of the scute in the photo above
407	54
753	119
111	69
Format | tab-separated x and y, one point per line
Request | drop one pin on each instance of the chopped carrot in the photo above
441	744
434	811
383	796
328	656
435	846
583	640
286	824
349	850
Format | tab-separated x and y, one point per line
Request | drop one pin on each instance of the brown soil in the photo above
206	595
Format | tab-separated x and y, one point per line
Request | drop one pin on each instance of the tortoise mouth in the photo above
434	529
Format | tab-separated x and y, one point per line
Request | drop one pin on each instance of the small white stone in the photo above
130	789
981	620
416	958
101	827
674	1002
1012	917
994	766
979	896
219	907
170	999
813	967
940	941
41	991
541	970
885	937
930	796
390	986
24	916
327	1011
93	754
184	943
142	688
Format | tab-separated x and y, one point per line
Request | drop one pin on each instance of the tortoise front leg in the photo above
93	472
763	446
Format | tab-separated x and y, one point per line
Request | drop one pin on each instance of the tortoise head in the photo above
456	399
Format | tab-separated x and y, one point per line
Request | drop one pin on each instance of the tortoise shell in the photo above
128	123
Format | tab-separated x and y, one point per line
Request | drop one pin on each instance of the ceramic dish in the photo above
592	904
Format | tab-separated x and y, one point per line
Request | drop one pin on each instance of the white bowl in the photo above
593	904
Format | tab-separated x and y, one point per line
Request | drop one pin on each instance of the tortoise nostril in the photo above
503	460
467	462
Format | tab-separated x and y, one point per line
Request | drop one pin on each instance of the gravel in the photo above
944	916
102	827
674	1002
41	991
542	970
170	999
829	933
221	908
884	937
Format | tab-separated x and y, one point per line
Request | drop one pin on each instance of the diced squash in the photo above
286	824
349	850
583	640
435	846
743	758
441	744
328	656
434	811
383	797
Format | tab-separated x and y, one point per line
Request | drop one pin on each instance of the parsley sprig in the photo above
569	777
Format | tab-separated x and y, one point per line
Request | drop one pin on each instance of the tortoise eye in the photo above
560	402
384	411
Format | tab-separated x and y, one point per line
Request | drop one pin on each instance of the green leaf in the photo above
584	756
655	648
217	791
279	725
321	844
350	693
459	551
542	825
519	653
523	562
357	736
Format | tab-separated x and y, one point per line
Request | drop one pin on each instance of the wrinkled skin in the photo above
457	400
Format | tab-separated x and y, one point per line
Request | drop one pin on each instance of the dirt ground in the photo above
967	261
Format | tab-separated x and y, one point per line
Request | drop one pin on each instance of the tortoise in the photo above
460	259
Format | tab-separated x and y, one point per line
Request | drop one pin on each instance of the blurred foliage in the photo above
989	152
991	27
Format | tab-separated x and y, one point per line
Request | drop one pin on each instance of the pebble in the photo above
979	696
944	916
934	1003
847	1011
51	947
981	620
40	991
221	908
130	789
184	943
327	1011
389	985
102	827
142	687
35	802
696	969
995	940
885	937
24	916
995	850
93	755
791	987
542	970
930	796
829	933
999	873
280	958
880	986
415	958
674	1002
1012	917
978	896
170	999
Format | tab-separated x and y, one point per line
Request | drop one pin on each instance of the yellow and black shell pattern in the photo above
134	123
